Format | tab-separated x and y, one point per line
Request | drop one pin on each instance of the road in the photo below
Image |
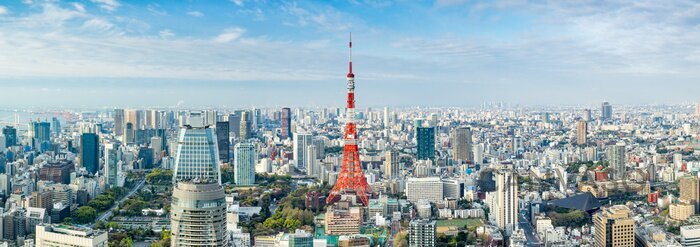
108	213
530	234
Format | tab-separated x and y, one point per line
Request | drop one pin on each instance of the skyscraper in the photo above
606	111
312	168
587	115
111	163
246	125
89	152
56	126
234	121
506	210
581	132
118	122
616	158
41	135
391	164
244	160
425	137
462	144
197	154
385	121
300	141
223	141
614	227
10	134
198	214
689	187
286	123
129	133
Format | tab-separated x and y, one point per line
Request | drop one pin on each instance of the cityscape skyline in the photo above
462	53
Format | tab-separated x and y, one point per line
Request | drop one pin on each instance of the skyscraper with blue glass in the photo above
197	154
425	137
89	152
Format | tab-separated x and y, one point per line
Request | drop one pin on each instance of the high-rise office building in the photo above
391	164
312	167
422	233
614	227
246	125
210	117
118	122
197	152
689	187
587	115
320	144
606	111
222	140
40	133
244	160
129	133
65	235
286	123
616	158
56	126
425	137
234	121
90	152
300	141
111	163
506	208
385	121
462	145
478	152
581	132
10	134
198	214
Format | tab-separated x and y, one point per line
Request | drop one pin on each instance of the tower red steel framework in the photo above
351	178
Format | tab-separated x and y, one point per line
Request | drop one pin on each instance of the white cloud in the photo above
325	18
98	24
79	7
229	34
237	2
195	14
107	5
166	34
3	10
155	9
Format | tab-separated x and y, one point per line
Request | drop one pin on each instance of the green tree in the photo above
292	224
126	242
84	214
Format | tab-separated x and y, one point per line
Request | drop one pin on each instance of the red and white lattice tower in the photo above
351	178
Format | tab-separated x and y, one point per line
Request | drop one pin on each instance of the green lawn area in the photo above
459	222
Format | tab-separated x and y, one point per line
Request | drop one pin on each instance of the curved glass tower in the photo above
198	214
197	154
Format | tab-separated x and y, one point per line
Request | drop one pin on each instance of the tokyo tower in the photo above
351	178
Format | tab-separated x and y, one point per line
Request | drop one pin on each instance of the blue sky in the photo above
244	53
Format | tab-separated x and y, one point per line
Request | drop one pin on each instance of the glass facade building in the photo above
244	163
425	137
197	152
